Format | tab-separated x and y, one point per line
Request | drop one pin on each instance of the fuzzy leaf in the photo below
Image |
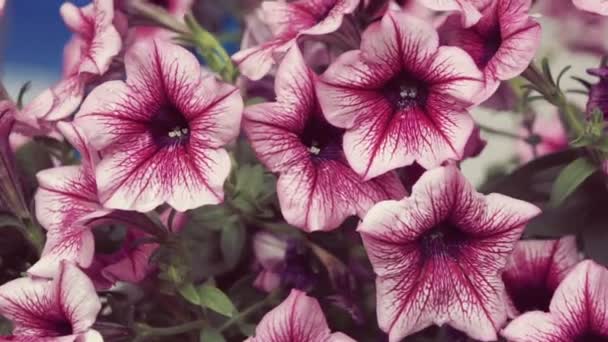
570	178
232	243
190	293
213	298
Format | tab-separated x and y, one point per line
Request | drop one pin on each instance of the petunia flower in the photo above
438	255
502	43
65	200
401	98
270	252
58	310
552	138
162	131
470	9
578	310
598	93
95	42
593	6
317	189
298	319
534	271
287	21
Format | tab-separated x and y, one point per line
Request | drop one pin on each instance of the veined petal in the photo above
75	245
470	12
77	298
594	6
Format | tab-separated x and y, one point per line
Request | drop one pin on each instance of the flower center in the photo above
405	91
591	337
298	271
491	43
323	140
161	3
169	127
443	239
528	297
62	328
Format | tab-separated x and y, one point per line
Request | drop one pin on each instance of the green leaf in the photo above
213	298
232	243
211	335
570	178
189	292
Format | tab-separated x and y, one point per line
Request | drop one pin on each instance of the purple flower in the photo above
502	43
438	253
58	310
270	253
598	93
298	319
401	98
162	131
534	271
578	310
287	21
317	189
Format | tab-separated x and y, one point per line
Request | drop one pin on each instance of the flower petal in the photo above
77	297
74	245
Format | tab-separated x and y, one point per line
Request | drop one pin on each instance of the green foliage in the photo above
211	335
570	178
215	299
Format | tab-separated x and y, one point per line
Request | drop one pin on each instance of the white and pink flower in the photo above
287	21
551	134
438	255
298	319
162	131
470	9
535	269
578	310
502	43
401	98
317	189
59	310
593	6
95	42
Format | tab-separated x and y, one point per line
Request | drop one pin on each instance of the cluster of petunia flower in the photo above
359	90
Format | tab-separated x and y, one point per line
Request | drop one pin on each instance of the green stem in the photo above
243	314
495	131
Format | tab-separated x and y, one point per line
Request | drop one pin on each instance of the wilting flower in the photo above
578	310
502	43
551	134
438	253
88	54
470	9
131	262
317	189
401	98
298	319
161	133
534	271
594	6
11	197
66	198
287	21
62	309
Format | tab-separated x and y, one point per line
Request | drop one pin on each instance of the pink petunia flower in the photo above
470	9
287	21
401	98
534	271
162	131
65	200
502	43
317	189
58	310
88	54
552	134
438	253
593	6
298	319
578	310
